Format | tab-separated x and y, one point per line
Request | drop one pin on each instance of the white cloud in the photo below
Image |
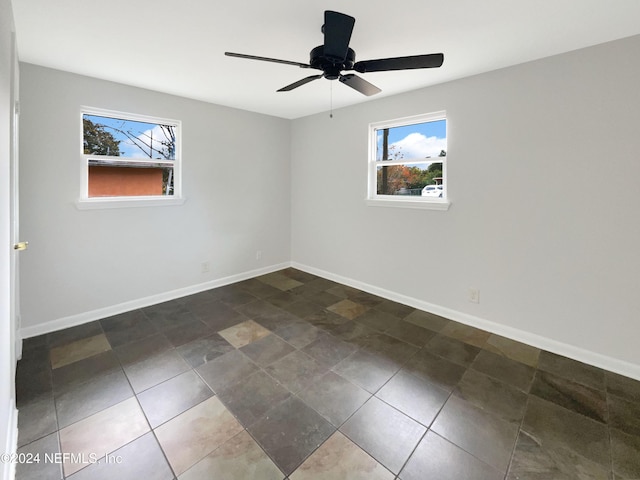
416	146
129	149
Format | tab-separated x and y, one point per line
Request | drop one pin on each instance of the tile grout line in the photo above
606	393
425	434
515	445
292	394
151	430
135	395
64	475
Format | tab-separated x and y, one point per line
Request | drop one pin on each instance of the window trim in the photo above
373	198
84	202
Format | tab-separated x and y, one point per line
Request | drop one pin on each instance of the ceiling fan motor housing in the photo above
331	66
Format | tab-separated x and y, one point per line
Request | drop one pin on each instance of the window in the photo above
129	160
407	164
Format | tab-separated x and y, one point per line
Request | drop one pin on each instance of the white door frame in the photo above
10	343
14	306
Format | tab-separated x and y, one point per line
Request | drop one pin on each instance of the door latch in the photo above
21	246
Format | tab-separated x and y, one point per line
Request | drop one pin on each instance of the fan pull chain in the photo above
330	99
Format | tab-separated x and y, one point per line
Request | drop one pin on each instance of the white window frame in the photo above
373	198
84	202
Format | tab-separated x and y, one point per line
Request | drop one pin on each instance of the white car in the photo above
432	191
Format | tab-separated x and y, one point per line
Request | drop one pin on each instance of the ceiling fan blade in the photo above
266	59
359	84
299	83
337	30
433	60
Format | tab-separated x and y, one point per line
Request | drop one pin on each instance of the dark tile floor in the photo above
294	376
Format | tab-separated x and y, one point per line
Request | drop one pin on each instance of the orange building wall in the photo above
123	181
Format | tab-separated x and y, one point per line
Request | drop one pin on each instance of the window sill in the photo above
403	203
128	202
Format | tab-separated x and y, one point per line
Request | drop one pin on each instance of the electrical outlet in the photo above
474	295
205	267
258	254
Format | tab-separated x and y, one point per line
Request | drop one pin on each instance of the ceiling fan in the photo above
335	56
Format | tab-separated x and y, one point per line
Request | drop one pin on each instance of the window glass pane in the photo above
418	179
412	142
128	180
118	137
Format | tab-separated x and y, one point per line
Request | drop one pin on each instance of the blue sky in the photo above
139	129
417	141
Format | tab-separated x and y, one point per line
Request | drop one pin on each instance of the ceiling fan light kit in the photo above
335	57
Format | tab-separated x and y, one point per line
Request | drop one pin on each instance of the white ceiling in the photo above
178	46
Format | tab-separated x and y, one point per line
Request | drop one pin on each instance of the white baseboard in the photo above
586	356
79	319
602	361
8	469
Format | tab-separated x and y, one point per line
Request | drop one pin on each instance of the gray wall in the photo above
543	173
236	178
543	179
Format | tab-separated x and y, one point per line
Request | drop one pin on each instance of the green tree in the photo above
434	171
97	141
